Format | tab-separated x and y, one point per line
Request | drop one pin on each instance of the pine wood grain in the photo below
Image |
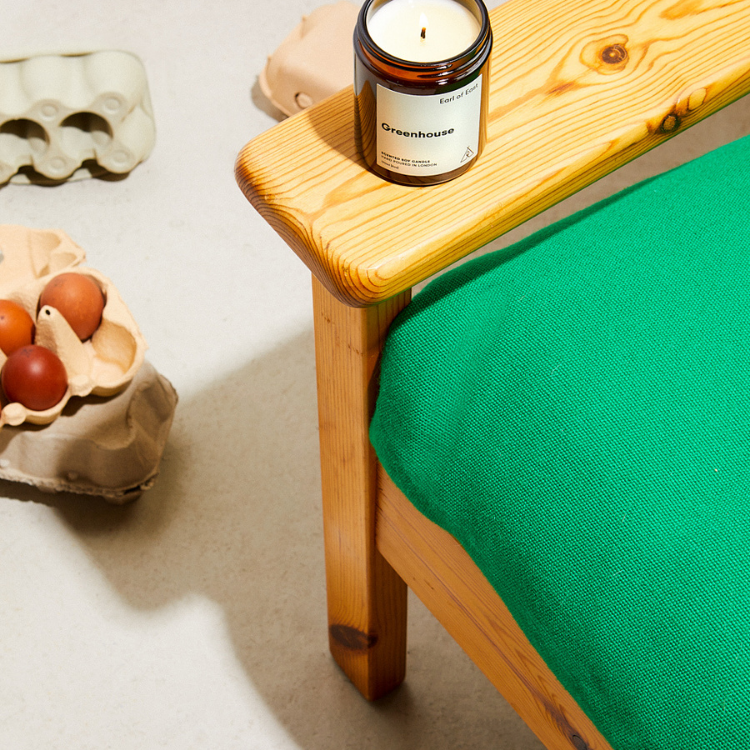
366	599
441	573
578	88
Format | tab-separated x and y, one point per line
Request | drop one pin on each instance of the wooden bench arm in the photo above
578	88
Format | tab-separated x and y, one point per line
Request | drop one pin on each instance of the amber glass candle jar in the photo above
421	121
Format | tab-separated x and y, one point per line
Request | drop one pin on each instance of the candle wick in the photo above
424	32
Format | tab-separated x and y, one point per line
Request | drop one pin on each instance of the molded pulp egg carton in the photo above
109	447
314	61
106	445
73	116
102	365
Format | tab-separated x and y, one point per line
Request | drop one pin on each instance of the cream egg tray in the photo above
101	366
73	116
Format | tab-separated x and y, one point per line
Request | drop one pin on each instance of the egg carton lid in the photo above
314	60
131	142
108	447
11	54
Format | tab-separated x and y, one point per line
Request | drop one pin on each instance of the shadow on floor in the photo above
235	517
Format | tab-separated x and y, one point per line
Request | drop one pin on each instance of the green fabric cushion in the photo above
575	410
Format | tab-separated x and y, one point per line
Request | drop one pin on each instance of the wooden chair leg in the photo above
366	598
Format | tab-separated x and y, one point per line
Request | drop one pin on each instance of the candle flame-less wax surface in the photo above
423	30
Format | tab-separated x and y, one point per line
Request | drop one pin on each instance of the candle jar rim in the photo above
428	70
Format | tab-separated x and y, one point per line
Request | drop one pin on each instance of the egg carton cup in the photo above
28	254
101	366
314	61
107	447
71	116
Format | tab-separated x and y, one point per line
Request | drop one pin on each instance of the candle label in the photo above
428	135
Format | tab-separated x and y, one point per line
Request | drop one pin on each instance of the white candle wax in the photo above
423	30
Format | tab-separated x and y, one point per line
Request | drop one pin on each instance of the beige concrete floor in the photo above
195	617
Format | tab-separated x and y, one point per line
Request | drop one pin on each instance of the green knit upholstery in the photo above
575	410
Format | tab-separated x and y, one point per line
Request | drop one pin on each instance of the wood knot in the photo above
696	99
670	123
606	56
579	743
614	54
351	638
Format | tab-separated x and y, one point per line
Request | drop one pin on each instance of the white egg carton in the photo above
72	116
104	364
109	447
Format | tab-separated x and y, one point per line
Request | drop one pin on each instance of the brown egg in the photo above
35	377
16	326
79	300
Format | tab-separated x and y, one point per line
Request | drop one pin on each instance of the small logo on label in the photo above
468	155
